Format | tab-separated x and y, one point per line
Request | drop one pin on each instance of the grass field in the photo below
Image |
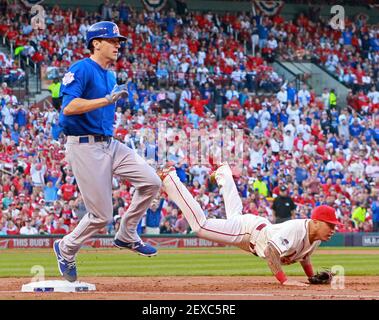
170	262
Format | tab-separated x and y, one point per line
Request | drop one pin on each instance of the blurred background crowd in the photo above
204	71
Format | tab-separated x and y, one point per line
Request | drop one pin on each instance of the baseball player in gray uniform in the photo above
280	244
89	93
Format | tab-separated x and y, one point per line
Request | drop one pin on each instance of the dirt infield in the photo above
201	288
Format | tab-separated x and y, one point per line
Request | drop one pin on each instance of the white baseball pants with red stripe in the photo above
235	230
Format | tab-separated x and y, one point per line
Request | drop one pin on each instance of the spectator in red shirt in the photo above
11	34
249	103
66	214
230	117
233	105
11	228
68	190
251	208
198	105
59	227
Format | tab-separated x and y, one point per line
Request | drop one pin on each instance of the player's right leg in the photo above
178	193
130	166
228	231
228	189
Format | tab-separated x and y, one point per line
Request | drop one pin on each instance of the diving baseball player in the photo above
280	244
89	93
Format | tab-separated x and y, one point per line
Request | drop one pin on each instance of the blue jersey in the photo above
153	218
376	135
374	44
262	32
86	79
355	130
21	118
347	37
375	211
291	94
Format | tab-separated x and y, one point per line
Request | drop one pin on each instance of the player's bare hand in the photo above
294	283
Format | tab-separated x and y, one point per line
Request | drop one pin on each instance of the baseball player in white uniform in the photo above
280	244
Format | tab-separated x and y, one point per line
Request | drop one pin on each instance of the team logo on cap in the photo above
115	30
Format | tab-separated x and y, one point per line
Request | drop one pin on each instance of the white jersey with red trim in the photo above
249	232
290	238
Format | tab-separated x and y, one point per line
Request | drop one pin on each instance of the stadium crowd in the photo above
201	71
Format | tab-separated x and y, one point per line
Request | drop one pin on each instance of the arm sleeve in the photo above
73	84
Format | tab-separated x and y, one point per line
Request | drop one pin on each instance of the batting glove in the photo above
117	93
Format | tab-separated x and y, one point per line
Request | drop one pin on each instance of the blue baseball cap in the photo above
103	30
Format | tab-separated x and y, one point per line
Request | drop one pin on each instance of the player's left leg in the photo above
129	165
228	189
91	167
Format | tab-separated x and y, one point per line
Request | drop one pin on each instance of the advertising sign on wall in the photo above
107	242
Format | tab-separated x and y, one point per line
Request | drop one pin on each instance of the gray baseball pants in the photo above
94	165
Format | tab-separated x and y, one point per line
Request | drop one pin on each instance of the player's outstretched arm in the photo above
307	266
80	106
273	260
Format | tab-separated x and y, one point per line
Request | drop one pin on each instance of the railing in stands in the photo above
32	69
337	79
296	78
180	79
